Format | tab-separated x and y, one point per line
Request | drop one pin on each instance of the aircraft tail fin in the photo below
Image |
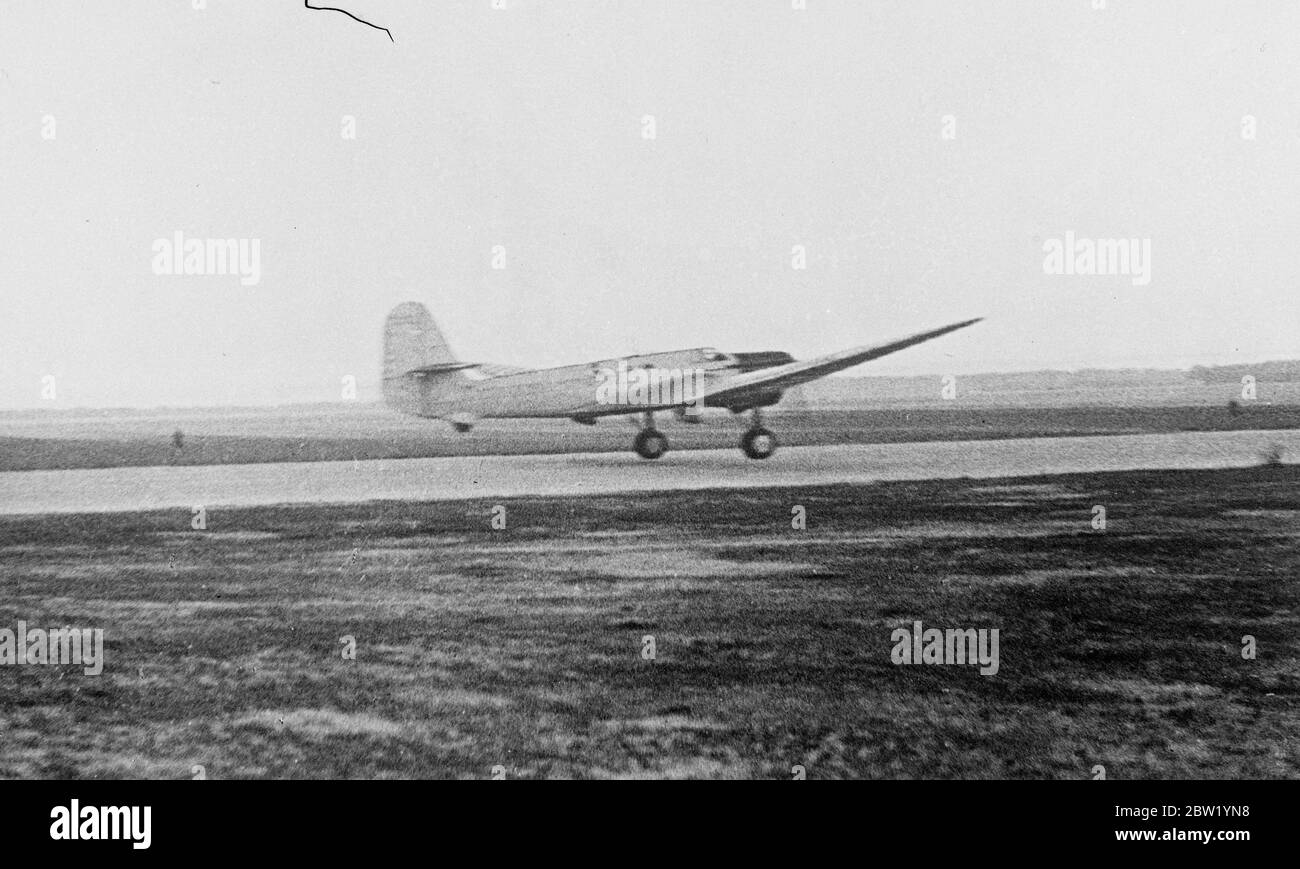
419	367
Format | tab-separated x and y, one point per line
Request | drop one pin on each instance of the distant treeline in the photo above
1287	371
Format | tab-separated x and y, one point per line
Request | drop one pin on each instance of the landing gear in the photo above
650	442
758	442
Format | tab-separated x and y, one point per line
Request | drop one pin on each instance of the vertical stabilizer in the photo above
412	341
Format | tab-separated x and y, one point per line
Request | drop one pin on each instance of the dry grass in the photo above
522	648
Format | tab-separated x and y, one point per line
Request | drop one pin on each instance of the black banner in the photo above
132	819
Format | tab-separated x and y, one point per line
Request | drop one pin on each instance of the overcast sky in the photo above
121	123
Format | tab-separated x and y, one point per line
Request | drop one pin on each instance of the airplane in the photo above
421	377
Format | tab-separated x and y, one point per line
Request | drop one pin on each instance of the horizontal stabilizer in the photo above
443	368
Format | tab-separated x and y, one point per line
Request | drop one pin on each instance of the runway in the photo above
470	477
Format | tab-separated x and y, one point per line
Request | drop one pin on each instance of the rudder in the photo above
411	340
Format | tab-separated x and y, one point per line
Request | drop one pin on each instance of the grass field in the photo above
343	433
522	648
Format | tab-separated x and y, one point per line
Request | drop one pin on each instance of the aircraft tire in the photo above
650	444
758	443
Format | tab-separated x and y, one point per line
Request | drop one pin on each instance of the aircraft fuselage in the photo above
625	385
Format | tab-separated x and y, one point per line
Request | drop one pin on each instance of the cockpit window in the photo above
713	355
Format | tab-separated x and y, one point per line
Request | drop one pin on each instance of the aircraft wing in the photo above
737	389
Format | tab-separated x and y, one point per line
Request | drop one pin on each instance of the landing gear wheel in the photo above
650	444
758	443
